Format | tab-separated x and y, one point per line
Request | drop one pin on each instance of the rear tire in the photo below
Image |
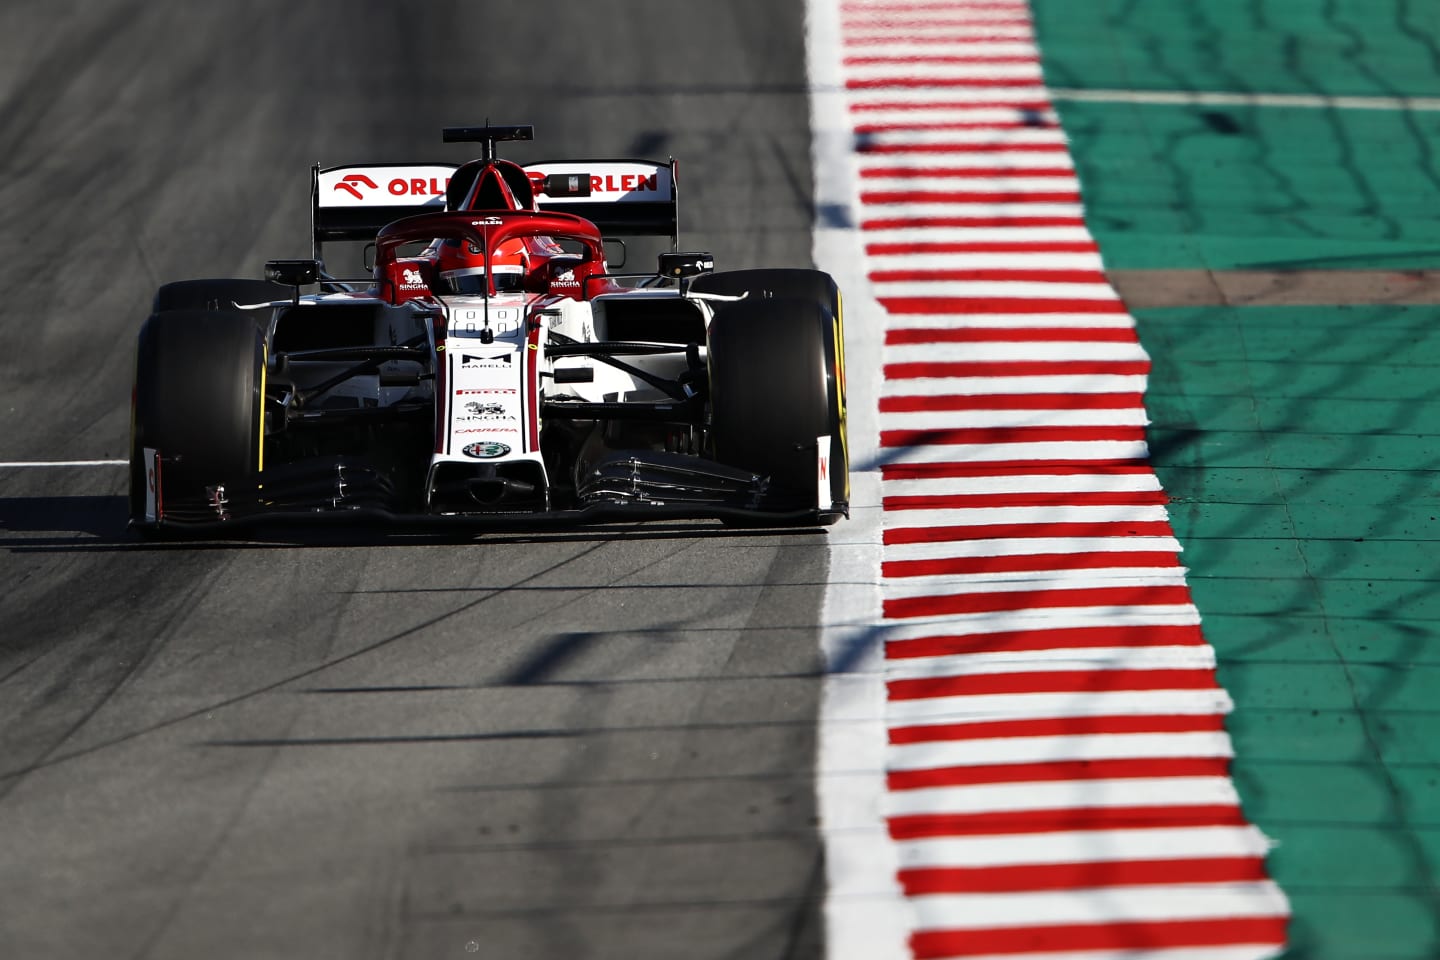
199	394
217	294
775	389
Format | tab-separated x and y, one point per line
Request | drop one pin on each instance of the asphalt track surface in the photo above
346	744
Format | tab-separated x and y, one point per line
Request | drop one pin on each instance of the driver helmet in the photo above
461	267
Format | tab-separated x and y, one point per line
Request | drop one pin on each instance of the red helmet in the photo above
461	267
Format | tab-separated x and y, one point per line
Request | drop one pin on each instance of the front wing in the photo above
628	486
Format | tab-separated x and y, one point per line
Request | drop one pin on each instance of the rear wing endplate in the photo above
627	197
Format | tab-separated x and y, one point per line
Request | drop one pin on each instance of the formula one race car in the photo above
491	366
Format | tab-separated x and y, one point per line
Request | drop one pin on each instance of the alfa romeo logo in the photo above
485	450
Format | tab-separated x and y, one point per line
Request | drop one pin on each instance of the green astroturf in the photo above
1226	187
1301	449
1300	445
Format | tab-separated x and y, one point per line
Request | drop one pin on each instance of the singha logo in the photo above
412	278
485	410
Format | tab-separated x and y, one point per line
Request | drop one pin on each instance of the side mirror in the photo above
295	273
681	266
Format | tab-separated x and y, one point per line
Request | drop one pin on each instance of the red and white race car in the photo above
493	367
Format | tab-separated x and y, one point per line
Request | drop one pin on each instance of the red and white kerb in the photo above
1057	770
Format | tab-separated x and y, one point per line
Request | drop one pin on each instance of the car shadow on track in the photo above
84	517
80	524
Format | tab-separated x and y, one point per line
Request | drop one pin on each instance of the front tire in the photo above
773	283
775	392
222	294
198	401
794	283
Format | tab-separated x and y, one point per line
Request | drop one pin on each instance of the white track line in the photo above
1061	794
988	911
1028	706
1192	657
1058	749
1029	546
1075	483
1085	846
981	386
22	464
1231	99
866	914
950	419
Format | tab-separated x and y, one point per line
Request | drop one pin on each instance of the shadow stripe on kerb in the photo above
1052	777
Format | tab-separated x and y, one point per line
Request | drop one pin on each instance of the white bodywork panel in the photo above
497	374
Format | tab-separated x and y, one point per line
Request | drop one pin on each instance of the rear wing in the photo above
634	198
627	197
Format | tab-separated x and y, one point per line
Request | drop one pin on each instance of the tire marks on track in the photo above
9	778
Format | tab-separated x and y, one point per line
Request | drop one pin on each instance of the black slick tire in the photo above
775	389
220	294
794	283
775	283
198	400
